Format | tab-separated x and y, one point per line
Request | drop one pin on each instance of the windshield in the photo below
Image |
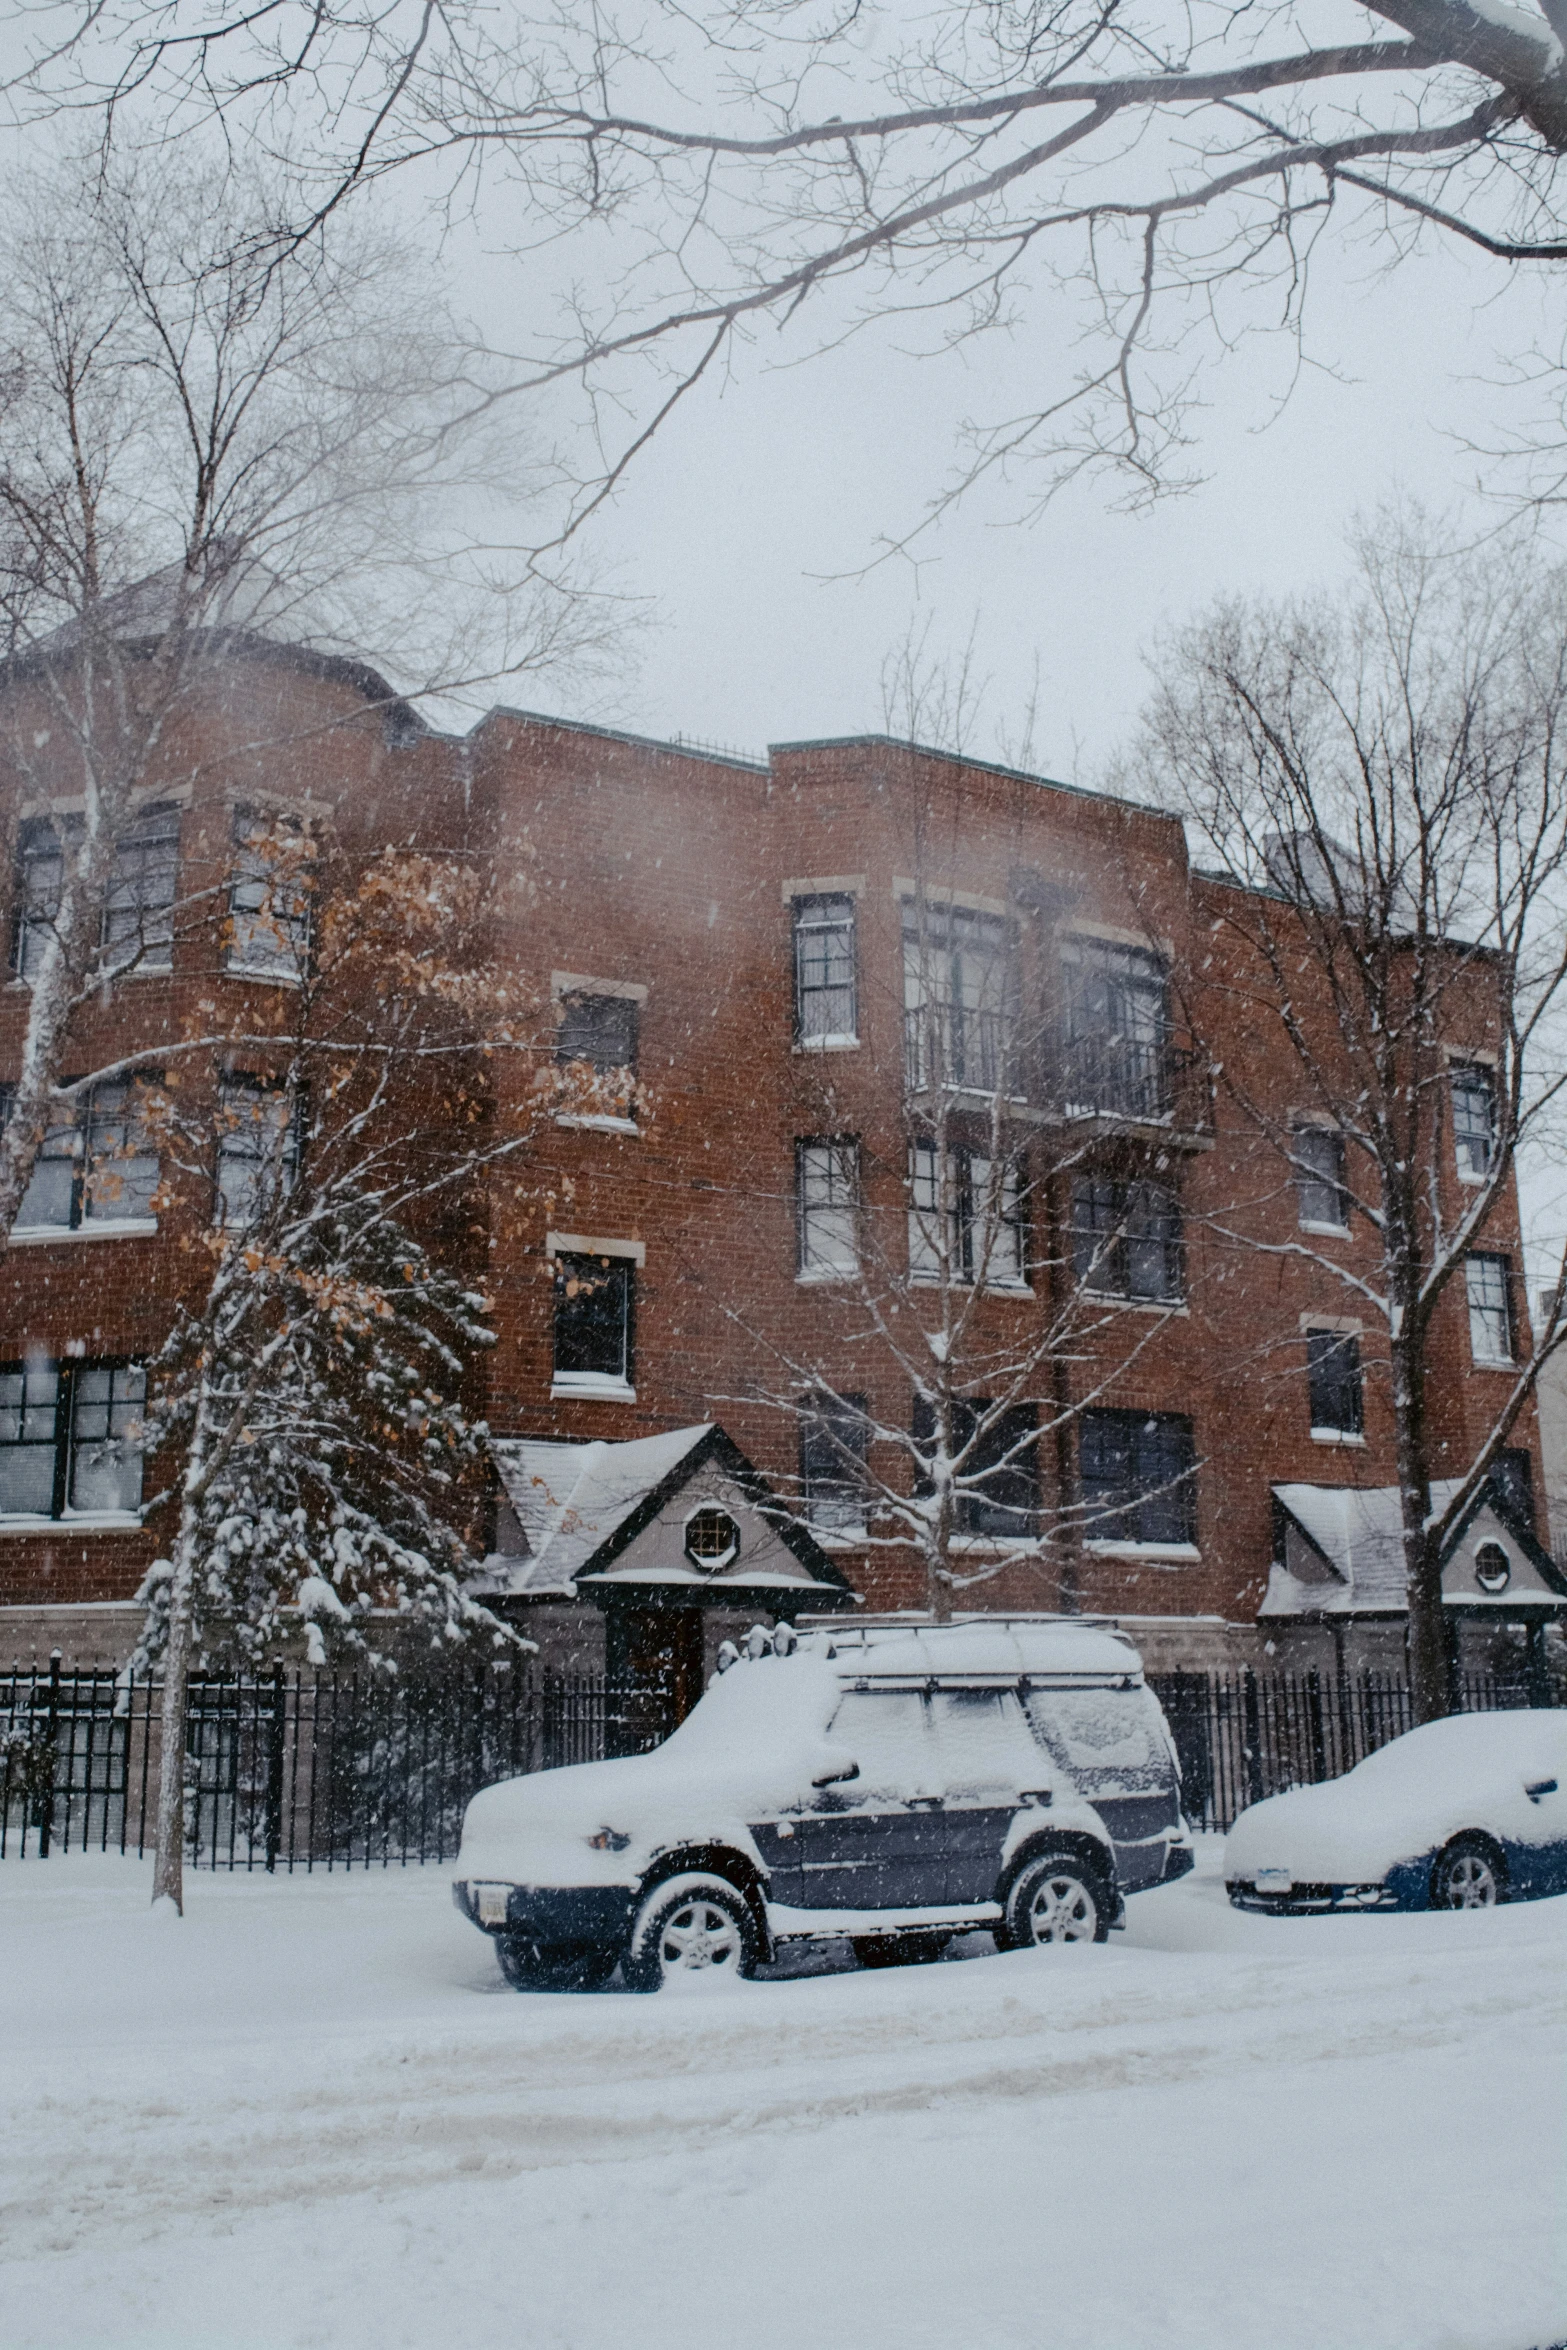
1110	1740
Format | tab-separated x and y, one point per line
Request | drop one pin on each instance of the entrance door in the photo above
653	1666
876	1842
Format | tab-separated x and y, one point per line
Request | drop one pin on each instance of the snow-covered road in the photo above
311	2114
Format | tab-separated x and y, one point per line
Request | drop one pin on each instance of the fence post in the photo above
1252	1736
274	1813
52	1719
1319	1744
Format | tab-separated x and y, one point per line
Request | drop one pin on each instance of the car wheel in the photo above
1468	1875
538	1966
875	1950
690	1928
1056	1897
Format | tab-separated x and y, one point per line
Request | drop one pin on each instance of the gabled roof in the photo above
580	1506
1356	1534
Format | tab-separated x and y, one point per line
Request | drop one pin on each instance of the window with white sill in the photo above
1317	1157
137	928
269	898
594	1300
959	999
997	1457
1474	1119
71	1439
825	1007
1138	1472
258	1150
97	1166
1126	1240
1488	1284
600	1032
827	1208
967	1220
834	1450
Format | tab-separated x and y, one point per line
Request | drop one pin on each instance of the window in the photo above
70	1439
1474	1120
593	1304
258	1149
834	1443
959	990
269	898
827	1195
1139	1477
96	1167
887	1732
1334	1383
138	918
712	1539
966	1218
825	1011
1118	1030
1493	1568
1126	1239
598	1029
138	925
41	878
1318	1154
1000	1469
1487	1280
1512	1484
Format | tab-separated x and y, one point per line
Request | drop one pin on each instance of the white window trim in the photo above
1339	1436
1112	934
824	885
1134	1305
1325	1232
1461	1054
75	1522
1343	1325
96	1228
827	1044
1180	1552
825	1276
604	1124
1493	1362
592	1385
254	975
564	983
581	1244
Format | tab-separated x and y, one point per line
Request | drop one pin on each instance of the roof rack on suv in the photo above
916	1620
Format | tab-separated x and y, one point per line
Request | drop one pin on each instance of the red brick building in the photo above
738	932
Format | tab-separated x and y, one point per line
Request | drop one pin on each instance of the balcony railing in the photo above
1146	1082
956	1046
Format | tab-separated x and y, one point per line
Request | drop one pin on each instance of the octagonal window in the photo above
1493	1567
712	1539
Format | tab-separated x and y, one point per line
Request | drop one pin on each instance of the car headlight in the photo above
608	1840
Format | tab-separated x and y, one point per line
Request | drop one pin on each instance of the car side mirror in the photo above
833	1777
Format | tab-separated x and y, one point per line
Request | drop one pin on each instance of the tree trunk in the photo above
1430	1686
938	1588
168	1875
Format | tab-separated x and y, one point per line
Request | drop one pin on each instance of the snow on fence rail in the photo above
328	1770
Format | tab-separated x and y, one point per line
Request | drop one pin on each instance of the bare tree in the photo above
214	436
1146	185
1382	775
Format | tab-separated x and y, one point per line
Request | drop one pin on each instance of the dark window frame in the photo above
819	915
1335	1381
575	1037
1009	1510
1502	1302
615	1275
964	1252
950	1042
144	886
1320	1186
287	1136
1127	1503
292	925
845	1149
1474	1139
88	1111
67	1441
835	1462
1110	1238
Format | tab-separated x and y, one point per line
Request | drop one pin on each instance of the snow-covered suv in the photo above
890	1785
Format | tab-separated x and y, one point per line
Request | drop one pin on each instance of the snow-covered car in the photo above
892	1786
1459	1814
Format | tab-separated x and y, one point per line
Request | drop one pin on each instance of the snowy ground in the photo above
311	2114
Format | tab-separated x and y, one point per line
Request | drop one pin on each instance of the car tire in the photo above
688	1927
540	1966
1469	1874
878	1950
1055	1897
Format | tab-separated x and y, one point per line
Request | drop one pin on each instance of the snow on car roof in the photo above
1089	1651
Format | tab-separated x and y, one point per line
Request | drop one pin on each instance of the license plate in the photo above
1274	1881
493	1901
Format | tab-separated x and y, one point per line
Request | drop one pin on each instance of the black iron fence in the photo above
293	1770
336	1770
1245	1735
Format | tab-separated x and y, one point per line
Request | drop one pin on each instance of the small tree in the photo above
1382	774
311	1392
